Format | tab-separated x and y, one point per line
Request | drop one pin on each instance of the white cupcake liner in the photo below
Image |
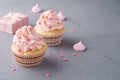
53	41
29	61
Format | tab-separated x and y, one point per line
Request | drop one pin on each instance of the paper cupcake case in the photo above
53	37
29	61
52	41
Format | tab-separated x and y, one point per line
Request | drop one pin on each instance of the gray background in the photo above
96	23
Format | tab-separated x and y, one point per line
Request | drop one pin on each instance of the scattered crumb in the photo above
65	59
61	55
73	54
72	30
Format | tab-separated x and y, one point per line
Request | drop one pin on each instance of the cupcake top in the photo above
49	20
26	39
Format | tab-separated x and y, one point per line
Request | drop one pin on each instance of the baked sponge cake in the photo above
50	27
28	47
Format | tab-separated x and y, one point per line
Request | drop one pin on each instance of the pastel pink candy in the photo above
36	9
48	75
13	69
79	46
61	16
12	21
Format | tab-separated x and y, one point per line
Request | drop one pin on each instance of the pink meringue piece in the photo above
36	9
48	75
61	16
13	69
79	46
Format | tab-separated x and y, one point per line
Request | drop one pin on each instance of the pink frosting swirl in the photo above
27	39
49	20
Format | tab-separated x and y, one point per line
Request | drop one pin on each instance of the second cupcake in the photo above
50	27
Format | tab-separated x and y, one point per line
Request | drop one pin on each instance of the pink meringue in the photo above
36	9
48	75
61	16
13	69
79	46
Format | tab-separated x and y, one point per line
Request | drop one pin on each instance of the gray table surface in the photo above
96	23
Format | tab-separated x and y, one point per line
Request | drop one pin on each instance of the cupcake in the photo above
28	47
50	27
